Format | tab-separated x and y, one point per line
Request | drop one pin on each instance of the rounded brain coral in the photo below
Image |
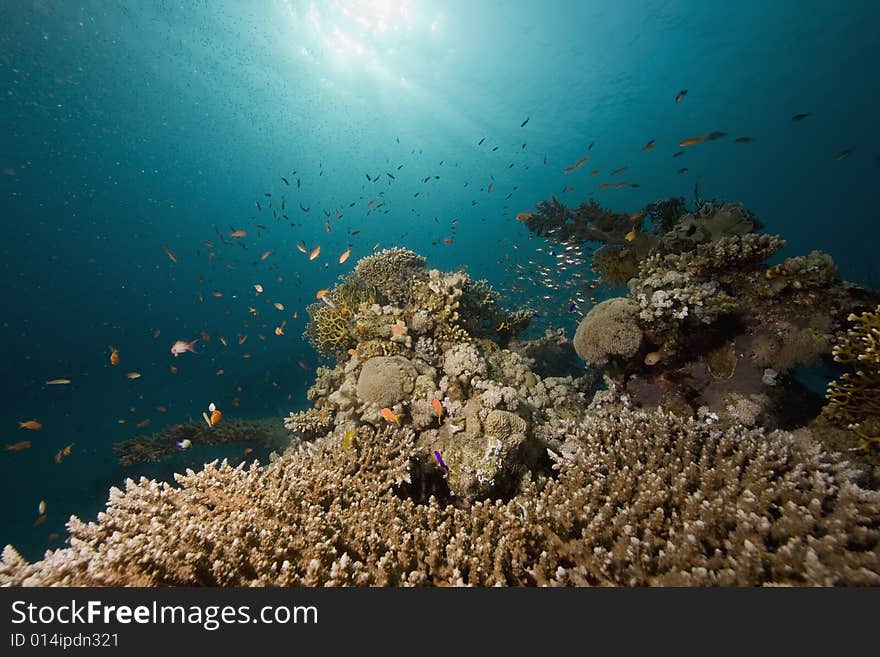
385	380
610	329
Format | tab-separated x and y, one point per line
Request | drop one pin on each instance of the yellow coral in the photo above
856	395
331	328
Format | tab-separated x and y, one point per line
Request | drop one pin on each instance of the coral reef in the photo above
855	396
391	271
162	445
610	329
637	498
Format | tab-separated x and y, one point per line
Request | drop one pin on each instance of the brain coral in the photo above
385	380
610	329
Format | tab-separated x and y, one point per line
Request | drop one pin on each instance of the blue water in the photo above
129	126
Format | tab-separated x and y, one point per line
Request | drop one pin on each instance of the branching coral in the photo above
332	327
855	397
638	499
391	271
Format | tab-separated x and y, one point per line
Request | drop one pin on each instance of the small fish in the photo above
647	147
40	520
186	443
631	235
680	95
800	117
279	306
320	293
605	185
447	240
440	461
352	352
620	170
438	407
161	409
678	154
171	255
389	415
133	375
576	165
279	330
347	438
327	226
398	329
238	234
568	189
214	417
344	256
326	299
743	140
572	307
32	425
315	253
143	423
172	369
490	187
524	216
41	507
692	141
217	294
712	136
654	357
114	355
57	382
19	446
259	207
258	288
305	208
683	170
219	373
480	143
301	247
842	155
180	346
265	255
523	124
59	455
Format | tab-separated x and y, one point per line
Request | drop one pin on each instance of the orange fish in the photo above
279	306
238	234
315	253
258	288
344	256
220	372
216	293
647	147
692	141
321	293
604	185
33	425
57	382
524	216
172	369
438	407
620	170
161	409
594	172
17	447
67	449
53	537
114	355
447	240
40	520
265	255
248	450
143	423
352	352
133	375
389	415
171	255
279	330
576	165
58	455
242	338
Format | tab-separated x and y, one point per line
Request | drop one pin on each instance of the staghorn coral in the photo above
391	271
162	445
609	330
638	499
310	423
855	397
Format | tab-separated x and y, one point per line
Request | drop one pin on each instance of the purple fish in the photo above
440	460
